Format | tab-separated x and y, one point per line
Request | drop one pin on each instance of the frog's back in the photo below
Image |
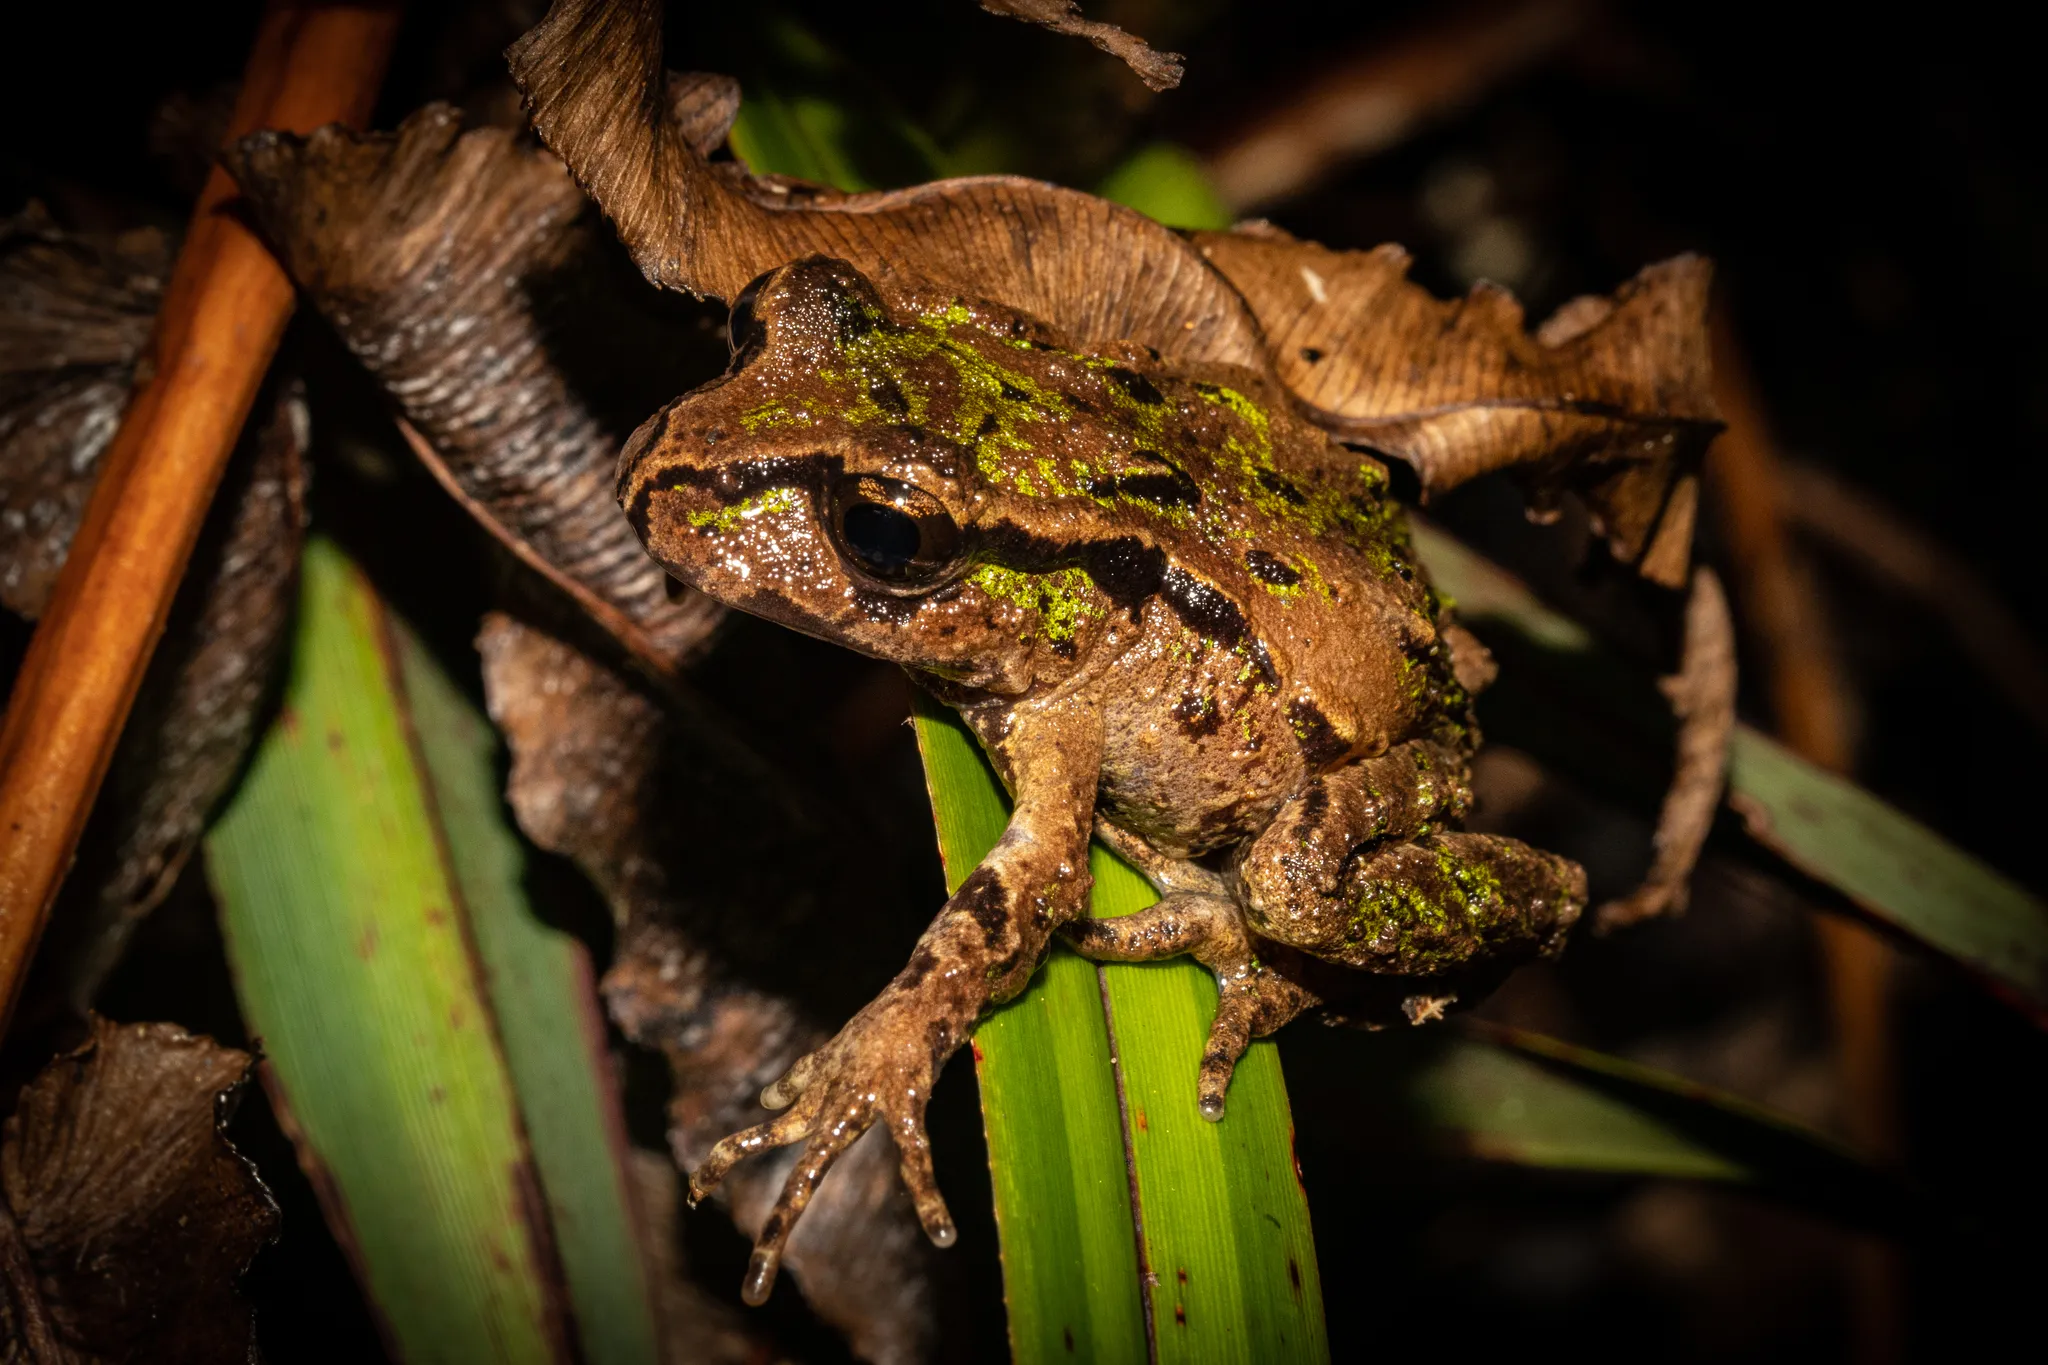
1293	630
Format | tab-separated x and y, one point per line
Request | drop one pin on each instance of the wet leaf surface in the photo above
127	1216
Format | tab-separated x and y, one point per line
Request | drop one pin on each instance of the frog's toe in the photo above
916	1169
819	1154
782	1093
729	1152
1237	1019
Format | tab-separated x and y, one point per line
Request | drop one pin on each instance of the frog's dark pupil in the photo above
882	537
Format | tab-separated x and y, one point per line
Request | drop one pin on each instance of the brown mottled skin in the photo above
1174	614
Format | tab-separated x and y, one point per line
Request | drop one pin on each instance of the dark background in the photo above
1873	195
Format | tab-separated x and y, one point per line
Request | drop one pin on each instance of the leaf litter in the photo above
126	1216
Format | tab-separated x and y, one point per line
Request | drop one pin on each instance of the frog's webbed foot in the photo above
1252	999
878	1069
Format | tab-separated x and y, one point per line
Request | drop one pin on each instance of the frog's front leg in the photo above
981	950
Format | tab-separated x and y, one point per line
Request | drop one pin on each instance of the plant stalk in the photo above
224	313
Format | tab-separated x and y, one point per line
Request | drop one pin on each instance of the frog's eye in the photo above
892	531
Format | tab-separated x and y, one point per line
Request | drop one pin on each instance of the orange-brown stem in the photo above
1809	703
223	314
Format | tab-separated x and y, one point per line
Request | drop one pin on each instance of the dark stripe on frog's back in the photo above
1162	483
1206	610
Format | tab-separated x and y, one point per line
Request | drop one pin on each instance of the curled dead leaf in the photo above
194	719
619	783
1702	695
126	1217
75	311
1159	70
465	272
593	79
1610	398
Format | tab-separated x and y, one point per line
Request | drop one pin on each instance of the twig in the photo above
223	315
1865	531
1702	695
1375	99
1809	702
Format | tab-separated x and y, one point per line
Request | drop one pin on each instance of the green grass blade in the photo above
1225	1233
1889	865
1893	867
1049	1106
543	993
344	869
1226	1226
1504	1094
799	135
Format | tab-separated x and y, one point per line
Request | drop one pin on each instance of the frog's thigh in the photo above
1355	873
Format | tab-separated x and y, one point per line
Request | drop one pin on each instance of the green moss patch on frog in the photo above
1065	599
769	502
1428	925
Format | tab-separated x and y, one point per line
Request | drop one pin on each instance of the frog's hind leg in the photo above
1359	869
1252	999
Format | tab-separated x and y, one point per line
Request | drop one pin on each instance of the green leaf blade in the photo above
540	985
1892	866
358	864
1226	1224
340	922
1224	1219
1049	1109
1167	182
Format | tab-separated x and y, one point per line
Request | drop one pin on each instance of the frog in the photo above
1177	617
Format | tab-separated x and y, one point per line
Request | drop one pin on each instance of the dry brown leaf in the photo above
1159	70
1702	695
75	313
194	718
1609	398
592	74
467	275
126	1217
617	782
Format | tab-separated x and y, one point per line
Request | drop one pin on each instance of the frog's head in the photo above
838	479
